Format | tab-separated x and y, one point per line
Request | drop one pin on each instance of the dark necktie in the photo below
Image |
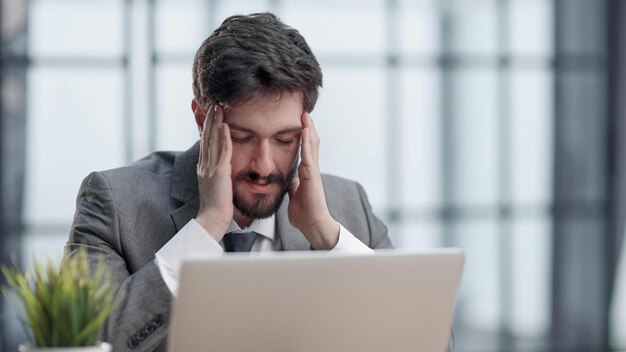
239	242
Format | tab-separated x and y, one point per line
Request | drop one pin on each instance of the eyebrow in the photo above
294	129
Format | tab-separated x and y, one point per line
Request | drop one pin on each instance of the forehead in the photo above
266	114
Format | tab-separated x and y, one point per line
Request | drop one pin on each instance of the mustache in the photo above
252	176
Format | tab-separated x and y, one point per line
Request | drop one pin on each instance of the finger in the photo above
310	149
209	118
215	143
226	147
293	187
307	168
312	138
310	124
305	148
200	153
204	141
305	119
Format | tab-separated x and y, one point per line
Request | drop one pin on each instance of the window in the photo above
444	110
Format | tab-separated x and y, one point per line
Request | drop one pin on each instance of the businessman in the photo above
251	183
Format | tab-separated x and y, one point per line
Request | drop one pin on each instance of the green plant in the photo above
64	306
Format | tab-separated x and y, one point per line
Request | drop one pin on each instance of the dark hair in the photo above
255	55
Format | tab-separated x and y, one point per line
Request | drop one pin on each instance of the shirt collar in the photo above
265	227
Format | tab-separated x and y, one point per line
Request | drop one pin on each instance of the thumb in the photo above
293	186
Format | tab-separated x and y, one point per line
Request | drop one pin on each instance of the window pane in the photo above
43	245
473	26
419	27
420	152
475	137
531	257
583	103
176	125
181	25
580	308
227	8
352	27
532	136
531	27
417	235
75	126
479	296
351	125
585	23
76	28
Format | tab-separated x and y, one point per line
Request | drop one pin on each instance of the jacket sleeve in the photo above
140	317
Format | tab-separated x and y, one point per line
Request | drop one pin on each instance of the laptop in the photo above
316	302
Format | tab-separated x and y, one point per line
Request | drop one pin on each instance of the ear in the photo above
198	114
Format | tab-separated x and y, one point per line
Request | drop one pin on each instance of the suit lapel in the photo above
183	214
185	186
290	238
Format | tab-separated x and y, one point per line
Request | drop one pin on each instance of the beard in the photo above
262	206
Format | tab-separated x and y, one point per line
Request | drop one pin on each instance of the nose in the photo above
262	161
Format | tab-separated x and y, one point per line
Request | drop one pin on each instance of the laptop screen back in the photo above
391	301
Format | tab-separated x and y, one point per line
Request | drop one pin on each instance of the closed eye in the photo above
287	138
285	141
241	140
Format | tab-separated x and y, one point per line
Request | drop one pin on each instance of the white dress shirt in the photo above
193	239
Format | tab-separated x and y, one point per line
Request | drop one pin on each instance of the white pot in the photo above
101	347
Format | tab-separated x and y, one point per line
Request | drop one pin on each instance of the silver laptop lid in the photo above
295	301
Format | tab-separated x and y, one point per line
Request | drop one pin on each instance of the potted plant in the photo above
61	308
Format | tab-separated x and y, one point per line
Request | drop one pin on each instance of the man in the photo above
255	81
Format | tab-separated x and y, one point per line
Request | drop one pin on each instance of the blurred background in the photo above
497	126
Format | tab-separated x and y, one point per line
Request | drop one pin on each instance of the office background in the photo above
497	126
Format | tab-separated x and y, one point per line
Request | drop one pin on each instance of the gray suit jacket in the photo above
123	216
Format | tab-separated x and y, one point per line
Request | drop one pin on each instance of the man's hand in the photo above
308	211
214	174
